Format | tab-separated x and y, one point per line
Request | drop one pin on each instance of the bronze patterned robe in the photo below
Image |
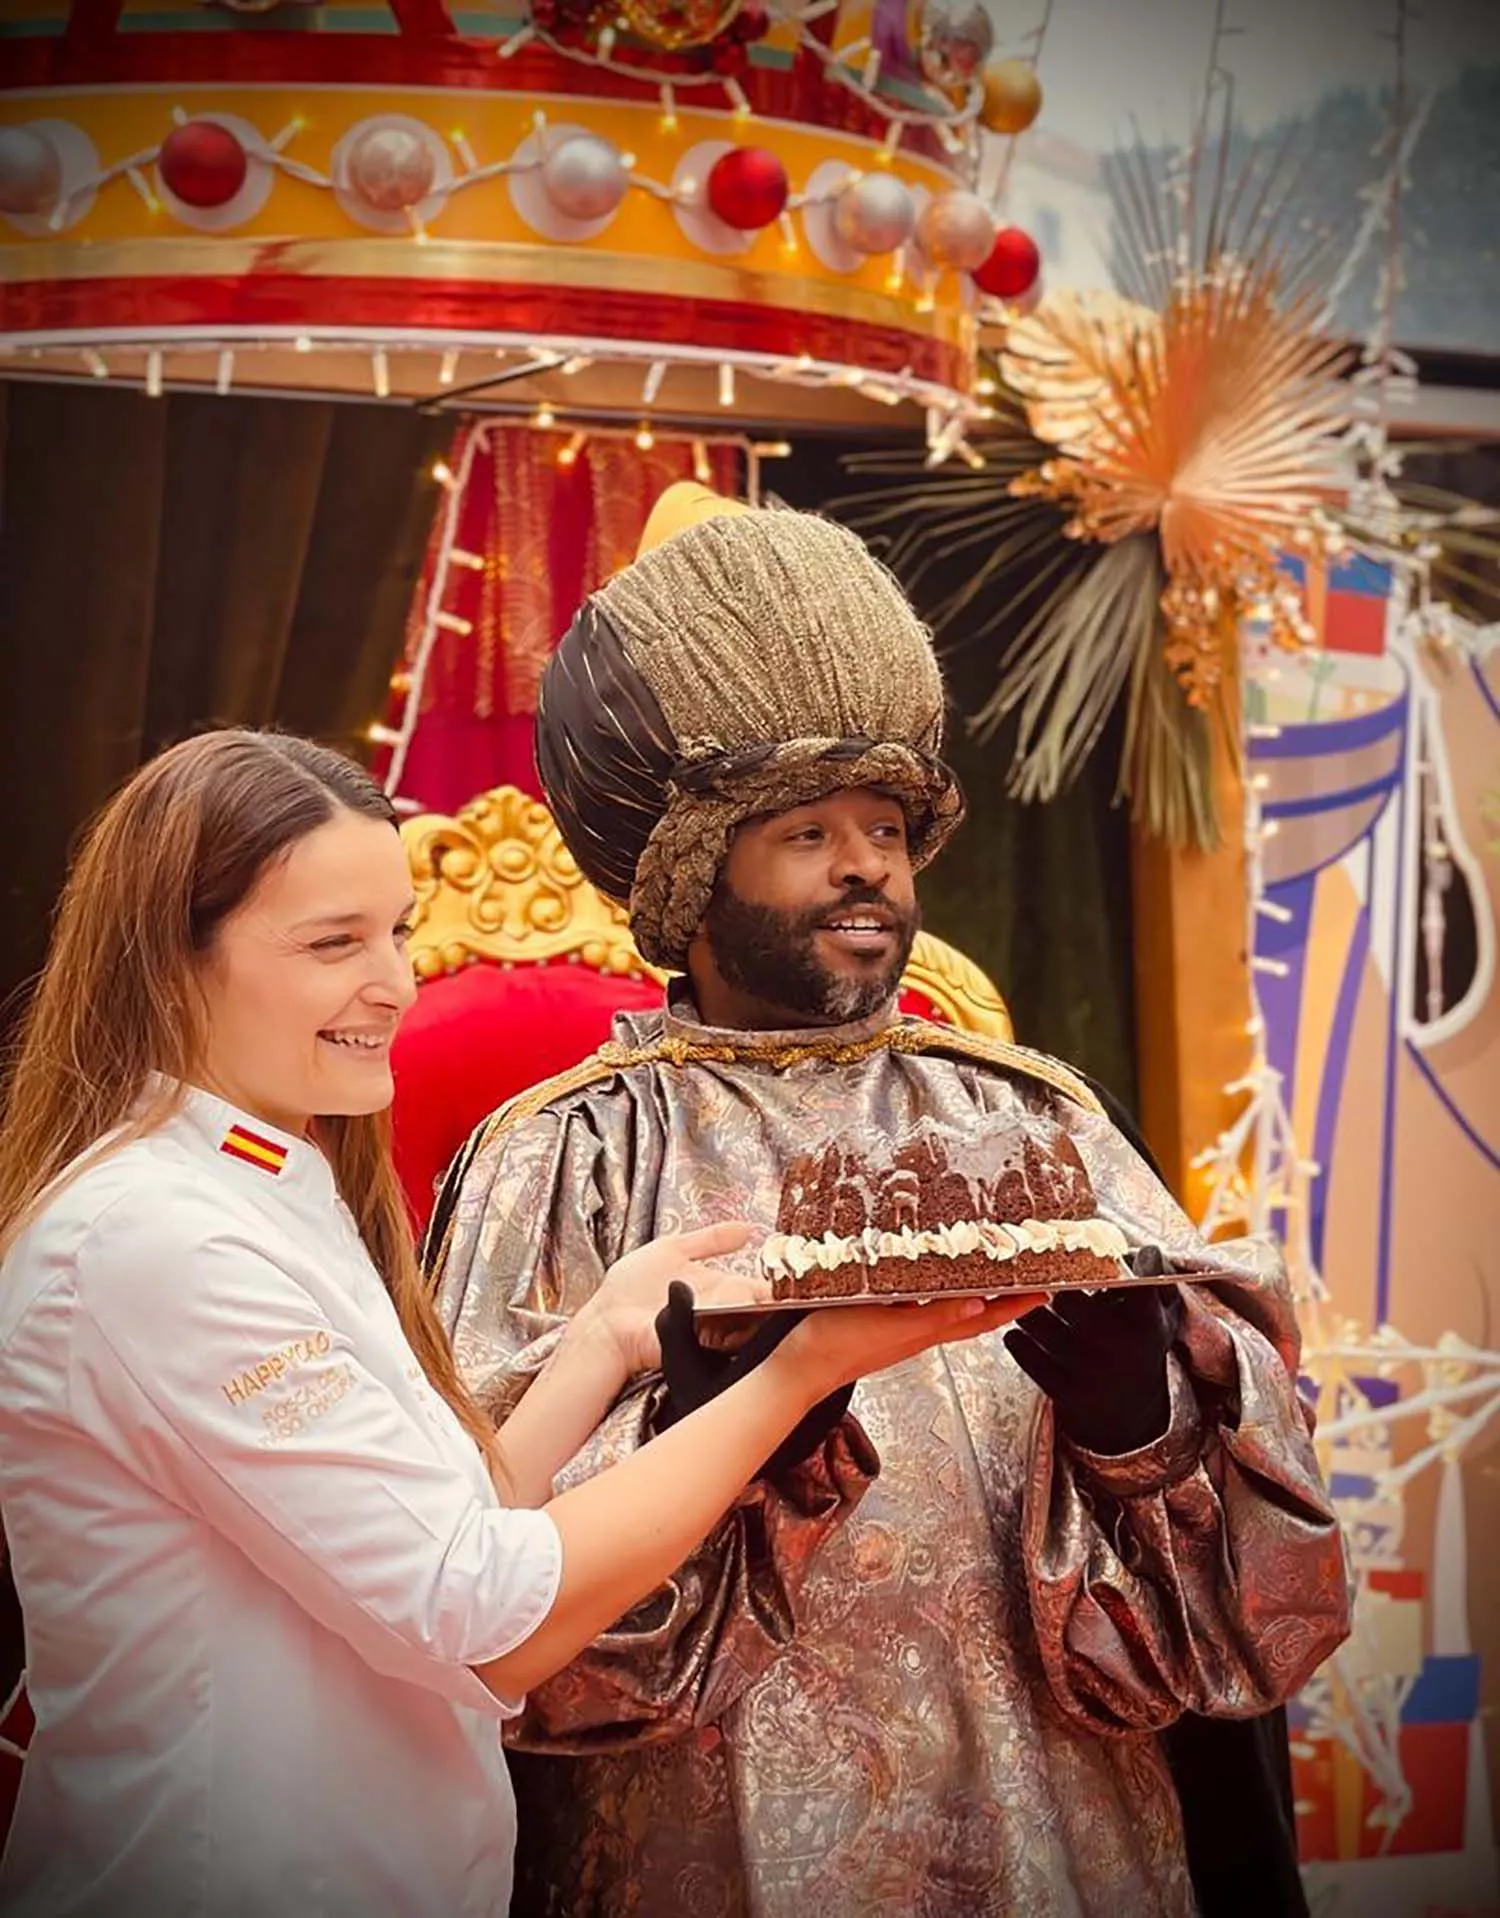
919	1675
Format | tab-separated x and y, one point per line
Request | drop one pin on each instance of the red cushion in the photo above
478	1036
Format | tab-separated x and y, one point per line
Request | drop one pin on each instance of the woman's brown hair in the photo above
176	850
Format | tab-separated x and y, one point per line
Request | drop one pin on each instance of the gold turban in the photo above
748	661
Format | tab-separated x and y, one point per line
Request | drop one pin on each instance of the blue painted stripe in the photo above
1378	1392
1446	1692
1477	669
1303	739
1482	1146
1331	802
1369	577
1281	998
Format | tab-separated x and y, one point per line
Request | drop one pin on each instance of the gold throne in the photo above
523	965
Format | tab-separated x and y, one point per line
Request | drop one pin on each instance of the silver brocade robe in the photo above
919	1676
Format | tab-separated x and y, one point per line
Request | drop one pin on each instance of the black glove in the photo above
1101	1357
695	1373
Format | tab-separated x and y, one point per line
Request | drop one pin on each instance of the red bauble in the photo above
752	22
747	188
202	163
1012	266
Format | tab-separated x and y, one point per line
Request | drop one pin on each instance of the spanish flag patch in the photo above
241	1143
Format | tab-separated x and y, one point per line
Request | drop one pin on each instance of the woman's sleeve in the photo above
542	1211
213	1374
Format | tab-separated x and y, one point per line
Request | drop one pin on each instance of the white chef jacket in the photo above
256	1554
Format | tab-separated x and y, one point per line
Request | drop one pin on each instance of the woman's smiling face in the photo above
307	980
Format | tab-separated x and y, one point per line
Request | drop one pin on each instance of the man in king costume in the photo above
928	1664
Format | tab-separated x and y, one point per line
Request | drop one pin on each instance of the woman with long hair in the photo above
280	1577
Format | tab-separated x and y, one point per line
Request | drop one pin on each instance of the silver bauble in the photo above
391	168
953	42
874	214
30	172
585	177
956	230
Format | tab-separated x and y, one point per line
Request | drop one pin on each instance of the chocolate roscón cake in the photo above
1007	1208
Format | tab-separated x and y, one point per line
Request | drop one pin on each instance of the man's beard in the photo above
771	957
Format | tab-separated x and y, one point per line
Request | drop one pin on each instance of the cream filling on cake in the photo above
786	1252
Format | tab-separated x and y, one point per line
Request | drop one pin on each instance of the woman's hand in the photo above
832	1347
624	1309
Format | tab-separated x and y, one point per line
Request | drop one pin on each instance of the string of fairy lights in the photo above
452	560
211	172
393	167
1257	1172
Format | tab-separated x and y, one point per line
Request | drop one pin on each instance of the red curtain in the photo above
547	533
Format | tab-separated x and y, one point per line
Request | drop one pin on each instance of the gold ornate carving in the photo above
958	990
495	884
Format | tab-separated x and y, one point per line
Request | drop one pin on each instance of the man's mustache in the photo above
817	917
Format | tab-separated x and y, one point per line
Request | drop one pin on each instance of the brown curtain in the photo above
1037	895
174	563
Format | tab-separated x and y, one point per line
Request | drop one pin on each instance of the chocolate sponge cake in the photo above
997	1208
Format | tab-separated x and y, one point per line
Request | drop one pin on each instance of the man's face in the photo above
813	918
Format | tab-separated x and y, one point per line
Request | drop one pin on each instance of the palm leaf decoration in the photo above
1152	453
1457	536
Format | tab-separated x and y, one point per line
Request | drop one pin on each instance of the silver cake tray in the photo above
758	1308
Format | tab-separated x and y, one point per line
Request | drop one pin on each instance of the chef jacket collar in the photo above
249	1149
